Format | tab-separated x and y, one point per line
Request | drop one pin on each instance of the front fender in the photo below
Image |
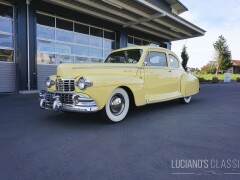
103	86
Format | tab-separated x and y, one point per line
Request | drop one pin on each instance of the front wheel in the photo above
116	107
185	100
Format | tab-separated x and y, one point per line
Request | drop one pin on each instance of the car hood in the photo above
75	70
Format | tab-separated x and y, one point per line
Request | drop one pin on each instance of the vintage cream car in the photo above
132	76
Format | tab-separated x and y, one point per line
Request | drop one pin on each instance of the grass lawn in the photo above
220	76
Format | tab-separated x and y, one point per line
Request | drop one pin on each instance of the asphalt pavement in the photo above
39	144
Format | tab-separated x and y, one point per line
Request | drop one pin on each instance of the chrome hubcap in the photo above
117	104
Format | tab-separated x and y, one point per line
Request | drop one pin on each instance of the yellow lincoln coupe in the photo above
132	76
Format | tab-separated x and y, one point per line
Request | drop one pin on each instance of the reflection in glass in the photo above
64	59
45	58
93	52
64	48
44	32
96	32
81	50
81	38
109	44
6	25
95	41
82	59
6	40
45	20
106	53
66	36
6	11
96	60
46	46
6	55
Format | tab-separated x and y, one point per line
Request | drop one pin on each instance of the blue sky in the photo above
217	18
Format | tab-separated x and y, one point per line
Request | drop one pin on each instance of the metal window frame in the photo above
74	32
12	34
142	40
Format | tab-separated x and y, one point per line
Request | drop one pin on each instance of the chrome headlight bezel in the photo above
49	82
83	83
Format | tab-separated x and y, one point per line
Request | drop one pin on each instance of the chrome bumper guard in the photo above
80	103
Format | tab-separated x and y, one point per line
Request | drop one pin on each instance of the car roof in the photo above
145	48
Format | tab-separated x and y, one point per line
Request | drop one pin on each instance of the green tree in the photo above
185	57
222	54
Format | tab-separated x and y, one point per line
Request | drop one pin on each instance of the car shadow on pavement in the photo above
80	119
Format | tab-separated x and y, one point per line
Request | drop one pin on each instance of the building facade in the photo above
37	35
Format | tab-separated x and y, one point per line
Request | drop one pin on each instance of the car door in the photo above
176	74
157	76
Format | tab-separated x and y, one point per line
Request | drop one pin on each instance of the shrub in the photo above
215	80
238	79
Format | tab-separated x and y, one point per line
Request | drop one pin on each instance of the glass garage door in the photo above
134	41
7	64
62	40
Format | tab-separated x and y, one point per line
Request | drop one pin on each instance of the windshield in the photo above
127	56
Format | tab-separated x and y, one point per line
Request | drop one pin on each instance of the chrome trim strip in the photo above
105	67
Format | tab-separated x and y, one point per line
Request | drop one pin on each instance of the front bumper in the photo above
75	103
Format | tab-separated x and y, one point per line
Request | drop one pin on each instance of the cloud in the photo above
223	19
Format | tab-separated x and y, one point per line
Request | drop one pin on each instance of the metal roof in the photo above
142	15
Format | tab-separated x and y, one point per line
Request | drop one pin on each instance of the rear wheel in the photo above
116	107
185	100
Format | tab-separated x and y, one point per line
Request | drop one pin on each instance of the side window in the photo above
173	61
157	59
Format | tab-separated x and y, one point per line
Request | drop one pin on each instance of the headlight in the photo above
84	83
49	82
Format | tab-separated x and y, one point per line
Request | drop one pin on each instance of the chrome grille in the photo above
65	85
65	98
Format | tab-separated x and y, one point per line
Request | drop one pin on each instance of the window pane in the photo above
154	44
81	38
62	24
173	61
81	28
46	46
157	59
44	32
96	60
109	44
106	53
125	56
97	42
6	25
64	58
45	58
6	11
81	50
82	59
109	35
6	55
137	41
145	43
130	45
96	32
45	20
64	48
64	36
6	40
95	52
130	40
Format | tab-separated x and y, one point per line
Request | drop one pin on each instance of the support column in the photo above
25	70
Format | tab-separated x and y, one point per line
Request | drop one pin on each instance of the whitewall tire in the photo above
116	107
185	100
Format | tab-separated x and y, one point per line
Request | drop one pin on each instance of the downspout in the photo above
28	52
